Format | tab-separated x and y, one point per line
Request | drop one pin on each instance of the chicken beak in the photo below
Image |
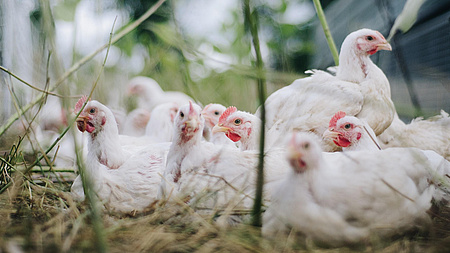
191	124
81	122
295	159
384	46
220	128
330	134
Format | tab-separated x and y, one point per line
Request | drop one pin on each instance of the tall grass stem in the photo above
252	21
326	30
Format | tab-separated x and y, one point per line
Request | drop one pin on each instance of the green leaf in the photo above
217	49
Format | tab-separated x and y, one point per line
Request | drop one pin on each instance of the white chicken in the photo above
211	113
430	134
125	179
150	94
359	88
135	122
104	141
158	129
160	125
339	198
351	133
195	167
244	127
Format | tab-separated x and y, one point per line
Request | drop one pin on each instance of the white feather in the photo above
343	198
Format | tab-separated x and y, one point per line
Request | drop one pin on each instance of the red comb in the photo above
227	113
80	104
339	115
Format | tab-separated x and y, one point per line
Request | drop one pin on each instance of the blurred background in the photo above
201	47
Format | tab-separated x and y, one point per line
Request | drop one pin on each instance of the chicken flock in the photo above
340	165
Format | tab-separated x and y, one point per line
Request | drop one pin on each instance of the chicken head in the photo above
189	121
369	42
344	130
92	118
351	133
212	113
303	152
235	124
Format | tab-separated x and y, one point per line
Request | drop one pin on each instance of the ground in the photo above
43	218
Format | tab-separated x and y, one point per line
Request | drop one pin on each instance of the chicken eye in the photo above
181	114
237	121
306	146
216	113
92	110
347	126
369	38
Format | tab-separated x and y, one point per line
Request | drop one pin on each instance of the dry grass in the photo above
44	218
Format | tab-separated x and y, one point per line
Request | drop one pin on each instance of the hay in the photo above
44	218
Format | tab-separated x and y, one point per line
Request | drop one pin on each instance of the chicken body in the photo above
131	187
339	198
226	175
160	125
135	122
124	178
157	129
431	134
150	94
359	88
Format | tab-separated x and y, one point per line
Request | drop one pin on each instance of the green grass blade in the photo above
252	22
326	30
